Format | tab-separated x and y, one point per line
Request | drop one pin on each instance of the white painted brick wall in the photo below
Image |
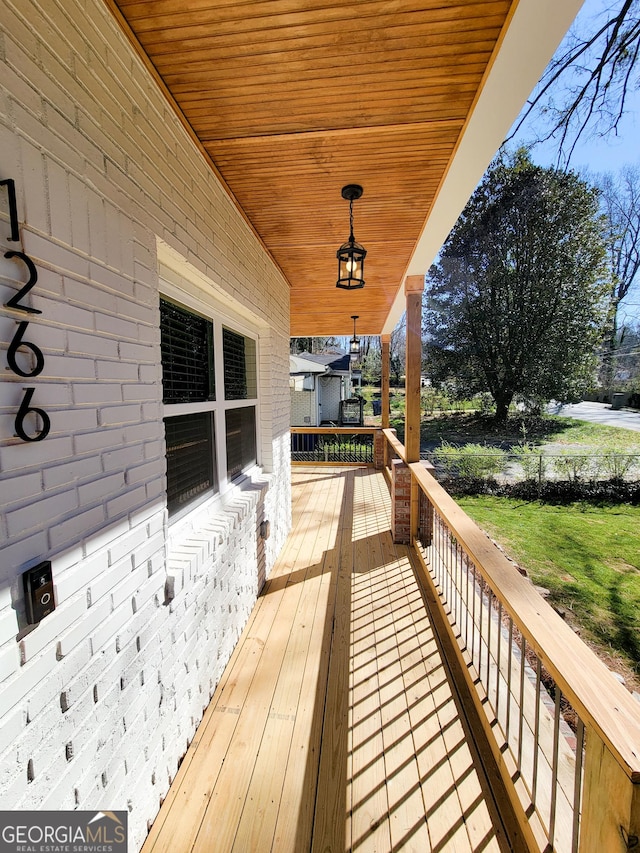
102	698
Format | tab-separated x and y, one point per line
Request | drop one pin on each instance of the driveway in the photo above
600	413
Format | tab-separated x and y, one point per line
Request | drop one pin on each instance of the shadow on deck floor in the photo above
334	726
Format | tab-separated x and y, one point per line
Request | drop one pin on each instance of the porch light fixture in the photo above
351	255
354	343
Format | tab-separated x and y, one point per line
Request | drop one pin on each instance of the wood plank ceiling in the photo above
293	99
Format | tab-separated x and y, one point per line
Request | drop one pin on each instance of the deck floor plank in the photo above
333	726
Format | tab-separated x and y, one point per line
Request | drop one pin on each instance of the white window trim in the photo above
220	315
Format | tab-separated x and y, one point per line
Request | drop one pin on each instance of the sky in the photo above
595	154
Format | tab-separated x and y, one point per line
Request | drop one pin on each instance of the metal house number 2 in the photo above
19	341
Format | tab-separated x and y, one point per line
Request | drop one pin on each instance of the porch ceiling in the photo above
293	99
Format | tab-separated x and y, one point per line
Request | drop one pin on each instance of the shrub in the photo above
572	466
550	491
532	461
471	460
619	465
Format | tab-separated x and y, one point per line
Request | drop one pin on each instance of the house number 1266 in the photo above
19	342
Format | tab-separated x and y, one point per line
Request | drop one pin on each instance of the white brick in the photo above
73	471
101	439
129	501
71	639
116	415
111	371
81	524
72	419
11	727
22	520
89	293
79	215
101	489
9	659
124	592
8	624
109	628
21	456
22	555
107	580
92	345
69	367
36	213
18	488
28	677
78	577
52	259
48	630
97	393
117	327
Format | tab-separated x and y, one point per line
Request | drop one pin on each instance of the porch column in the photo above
405	493
413	288
385	396
384	390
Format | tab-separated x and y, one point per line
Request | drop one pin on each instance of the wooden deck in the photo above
334	727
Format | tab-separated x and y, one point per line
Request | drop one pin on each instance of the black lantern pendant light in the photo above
351	255
354	343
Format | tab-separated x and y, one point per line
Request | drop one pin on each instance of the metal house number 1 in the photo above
19	341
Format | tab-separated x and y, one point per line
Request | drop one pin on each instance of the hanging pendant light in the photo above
351	255
354	343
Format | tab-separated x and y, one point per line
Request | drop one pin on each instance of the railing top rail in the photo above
599	699
331	430
395	443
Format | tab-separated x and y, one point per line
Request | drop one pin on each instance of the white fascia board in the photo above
531	38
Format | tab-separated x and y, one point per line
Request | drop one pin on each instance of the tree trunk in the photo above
502	407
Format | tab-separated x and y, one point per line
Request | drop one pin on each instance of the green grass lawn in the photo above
587	556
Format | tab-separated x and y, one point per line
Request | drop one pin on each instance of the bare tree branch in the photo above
586	86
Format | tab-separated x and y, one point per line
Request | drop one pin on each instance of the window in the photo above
190	458
239	366
241	440
187	355
210	441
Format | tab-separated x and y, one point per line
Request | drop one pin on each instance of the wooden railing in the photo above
564	733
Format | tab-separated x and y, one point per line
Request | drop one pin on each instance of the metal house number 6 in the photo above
18	341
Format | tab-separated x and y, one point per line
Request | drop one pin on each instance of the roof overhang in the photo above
297	364
289	100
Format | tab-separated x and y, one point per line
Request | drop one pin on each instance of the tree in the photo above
397	351
620	202
312	345
517	300
586	85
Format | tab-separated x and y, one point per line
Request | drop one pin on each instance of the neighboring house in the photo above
156	258
319	383
305	390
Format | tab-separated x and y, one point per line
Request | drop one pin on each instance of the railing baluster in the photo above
466	630
509	666
523	653
554	767
455	583
536	733
473	617
577	786
499	637
489	620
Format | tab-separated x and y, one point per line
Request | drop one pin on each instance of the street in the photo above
600	413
